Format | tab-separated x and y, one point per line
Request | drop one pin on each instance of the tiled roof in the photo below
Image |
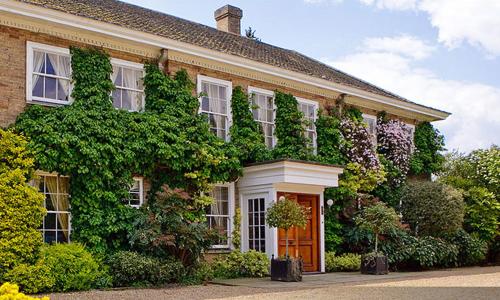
168	26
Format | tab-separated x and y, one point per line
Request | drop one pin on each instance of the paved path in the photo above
465	283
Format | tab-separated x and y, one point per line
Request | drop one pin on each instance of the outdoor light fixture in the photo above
329	202
282	198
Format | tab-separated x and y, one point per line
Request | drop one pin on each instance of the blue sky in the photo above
441	53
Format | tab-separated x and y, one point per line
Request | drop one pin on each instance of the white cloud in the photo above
392	4
476	22
404	44
475	119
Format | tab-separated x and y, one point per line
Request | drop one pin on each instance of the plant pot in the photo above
374	265
288	270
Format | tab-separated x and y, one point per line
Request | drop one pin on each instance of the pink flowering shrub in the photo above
395	142
359	146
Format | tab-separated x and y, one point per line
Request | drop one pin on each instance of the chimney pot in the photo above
228	19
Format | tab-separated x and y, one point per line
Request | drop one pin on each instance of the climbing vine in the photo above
101	147
292	142
330	140
246	134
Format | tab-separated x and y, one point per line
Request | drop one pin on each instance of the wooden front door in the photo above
303	242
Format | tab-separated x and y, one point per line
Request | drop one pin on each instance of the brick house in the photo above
35	36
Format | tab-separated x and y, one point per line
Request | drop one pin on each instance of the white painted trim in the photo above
65	19
229	92
231	210
30	48
141	191
252	89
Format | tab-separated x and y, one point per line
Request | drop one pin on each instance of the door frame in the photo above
317	241
306	190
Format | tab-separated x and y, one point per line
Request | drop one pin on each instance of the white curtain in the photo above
62	67
38	59
58	188
114	76
130	81
216	94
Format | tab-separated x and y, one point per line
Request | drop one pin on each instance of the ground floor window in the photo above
56	226
218	214
257	224
136	193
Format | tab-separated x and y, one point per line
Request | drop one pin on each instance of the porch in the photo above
262	184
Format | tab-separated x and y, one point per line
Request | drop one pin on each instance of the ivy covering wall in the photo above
101	147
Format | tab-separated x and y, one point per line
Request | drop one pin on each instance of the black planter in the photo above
374	265
286	269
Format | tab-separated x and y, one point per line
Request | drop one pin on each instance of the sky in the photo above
440	53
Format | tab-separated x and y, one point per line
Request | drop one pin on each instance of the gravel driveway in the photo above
465	283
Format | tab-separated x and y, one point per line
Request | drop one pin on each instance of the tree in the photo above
429	143
378	219
173	225
286	213
432	208
21	205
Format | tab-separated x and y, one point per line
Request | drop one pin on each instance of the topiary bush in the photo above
343	263
72	267
133	269
241	264
21	205
32	279
432	208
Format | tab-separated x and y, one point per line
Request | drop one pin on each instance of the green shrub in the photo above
406	251
21	206
343	263
241	264
31	279
133	269
72	266
471	249
9	291
432	208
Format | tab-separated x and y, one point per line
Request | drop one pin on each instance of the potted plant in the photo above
284	214
378	219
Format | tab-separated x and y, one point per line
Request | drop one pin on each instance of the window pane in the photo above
50	88
51	64
38	83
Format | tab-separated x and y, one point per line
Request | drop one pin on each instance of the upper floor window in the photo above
309	109
215	103
219	213
48	74
56	226
136	193
371	122
263	112
128	80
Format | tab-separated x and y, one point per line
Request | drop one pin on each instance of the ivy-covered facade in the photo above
114	123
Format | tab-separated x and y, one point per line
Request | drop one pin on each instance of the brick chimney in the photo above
228	19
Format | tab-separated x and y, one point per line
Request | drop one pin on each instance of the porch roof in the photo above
290	172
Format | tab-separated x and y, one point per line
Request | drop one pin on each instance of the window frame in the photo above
230	216
374	134
229	91
42	229
316	108
30	48
141	192
255	90
131	65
